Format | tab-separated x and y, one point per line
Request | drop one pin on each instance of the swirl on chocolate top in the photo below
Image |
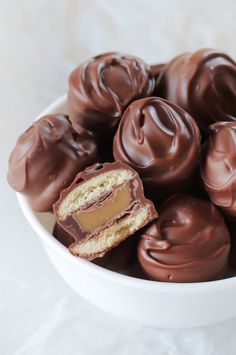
188	243
46	158
101	88
218	166
203	83
161	142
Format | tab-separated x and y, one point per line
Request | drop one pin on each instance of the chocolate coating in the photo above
101	88
232	256
46	158
218	166
161	142
188	243
156	71
203	83
116	259
62	236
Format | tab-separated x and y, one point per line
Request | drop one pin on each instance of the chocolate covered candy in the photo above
218	166
188	243
46	158
203	83
101	88
117	259
102	207
161	142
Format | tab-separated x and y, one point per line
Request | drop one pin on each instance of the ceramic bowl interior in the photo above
166	305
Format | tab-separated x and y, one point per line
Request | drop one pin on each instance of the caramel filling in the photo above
91	219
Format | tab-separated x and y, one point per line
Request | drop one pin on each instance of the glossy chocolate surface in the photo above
161	142
203	83
218	166
46	158
188	243
156	70
101	88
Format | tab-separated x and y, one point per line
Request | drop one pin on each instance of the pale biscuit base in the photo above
89	191
113	235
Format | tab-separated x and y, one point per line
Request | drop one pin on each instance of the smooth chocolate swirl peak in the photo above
188	243
101	88
46	158
203	83
161	142
218	167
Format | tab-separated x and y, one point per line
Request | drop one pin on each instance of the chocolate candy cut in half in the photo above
118	259
102	207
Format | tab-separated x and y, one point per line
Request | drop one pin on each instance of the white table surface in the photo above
40	42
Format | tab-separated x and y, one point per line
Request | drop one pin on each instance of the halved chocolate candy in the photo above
119	259
102	207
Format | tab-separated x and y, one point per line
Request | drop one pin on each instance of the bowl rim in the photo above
100	271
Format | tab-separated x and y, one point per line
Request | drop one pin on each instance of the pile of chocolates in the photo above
143	168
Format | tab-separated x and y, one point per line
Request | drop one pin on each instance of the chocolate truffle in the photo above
161	142
46	158
218	166
102	207
203	83
188	243
101	88
117	259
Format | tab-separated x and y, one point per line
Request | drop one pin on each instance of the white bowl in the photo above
165	305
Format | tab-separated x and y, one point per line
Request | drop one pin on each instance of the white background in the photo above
40	42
